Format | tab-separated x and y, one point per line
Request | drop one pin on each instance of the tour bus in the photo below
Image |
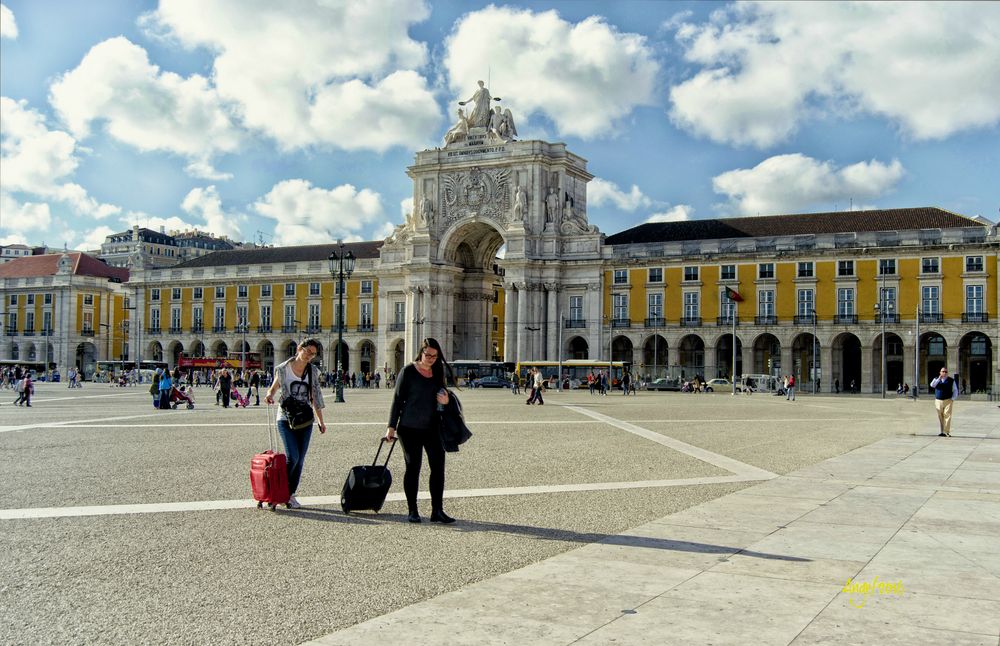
234	360
467	369
109	370
575	371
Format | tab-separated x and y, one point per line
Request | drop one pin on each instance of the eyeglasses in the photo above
430	355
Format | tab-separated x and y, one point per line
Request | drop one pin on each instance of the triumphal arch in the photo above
482	193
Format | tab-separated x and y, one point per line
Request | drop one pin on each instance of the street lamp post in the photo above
916	355
340	265
882	308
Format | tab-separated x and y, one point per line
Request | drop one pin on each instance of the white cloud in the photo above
206	204
678	213
145	107
931	67
37	161
584	76
405	208
305	73
8	26
18	217
601	192
307	214
94	238
796	183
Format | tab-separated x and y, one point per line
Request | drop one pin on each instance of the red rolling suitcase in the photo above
269	472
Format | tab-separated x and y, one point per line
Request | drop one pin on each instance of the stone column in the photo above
510	323
710	362
595	322
953	367
522	309
908	364
552	323
867	375
826	369
673	355
786	360
746	352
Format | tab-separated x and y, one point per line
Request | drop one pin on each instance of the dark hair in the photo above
439	367
310	342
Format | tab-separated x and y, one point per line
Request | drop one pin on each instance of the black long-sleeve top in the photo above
414	404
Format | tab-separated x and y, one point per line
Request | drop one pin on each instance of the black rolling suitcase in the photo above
367	486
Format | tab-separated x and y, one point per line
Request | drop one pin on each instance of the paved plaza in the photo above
661	518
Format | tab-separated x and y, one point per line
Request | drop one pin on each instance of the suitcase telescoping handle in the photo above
392	445
272	426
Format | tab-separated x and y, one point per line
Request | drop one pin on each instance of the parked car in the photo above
491	382
664	383
722	385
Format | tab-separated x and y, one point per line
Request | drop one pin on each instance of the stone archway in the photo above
174	351
655	358
266	350
767	355
895	370
366	357
724	357
579	348
471	247
155	351
621	349
220	349
933	355
806	362
86	358
398	358
846	368
692	356
975	362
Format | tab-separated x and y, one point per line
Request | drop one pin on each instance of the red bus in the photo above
232	360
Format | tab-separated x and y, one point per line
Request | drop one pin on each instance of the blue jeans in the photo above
296	445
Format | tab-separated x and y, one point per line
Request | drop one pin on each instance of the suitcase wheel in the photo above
260	505
272	506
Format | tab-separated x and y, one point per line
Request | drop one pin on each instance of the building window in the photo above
765	270
265	317
220	317
576	308
974	299
199	293
806	302
88	299
242	291
314	289
13	299
47	320
265	290
48	300
198	317
845	267
175	318
338	314
31	299
765	303
496	323
29	321
12	323
930	299
930	265
656	275
621	277
728	272
691	309
656	306
727	307
845	301
620	307
806	270
154	319
289	289
366	287
887	267
175	294
888	295
314	314
399	313
220	291
241	316
366	314
690	273
973	264
289	316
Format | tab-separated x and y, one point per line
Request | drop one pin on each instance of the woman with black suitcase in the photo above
415	416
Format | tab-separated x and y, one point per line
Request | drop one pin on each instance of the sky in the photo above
293	122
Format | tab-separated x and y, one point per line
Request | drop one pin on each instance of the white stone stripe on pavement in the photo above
214	505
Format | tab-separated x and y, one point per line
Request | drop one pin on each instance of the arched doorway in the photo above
32	352
578	348
345	357
290	349
155	351
266	349
767	355
724	357
895	370
621	349
654	356
86	357
846	369
197	349
220	349
174	351
398	359
975	362
692	356
366	353
933	355
806	361
472	247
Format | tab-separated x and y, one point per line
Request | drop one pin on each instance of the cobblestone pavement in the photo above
124	524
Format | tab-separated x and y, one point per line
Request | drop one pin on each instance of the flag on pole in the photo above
733	295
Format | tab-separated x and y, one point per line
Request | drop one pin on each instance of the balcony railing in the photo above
975	317
365	327
726	320
769	319
263	329
10	332
889	318
313	329
47	332
931	317
90	332
397	327
149	330
198	328
691	321
28	332
847	319
621	322
805	319
175	330
576	323
219	329
657	321
287	329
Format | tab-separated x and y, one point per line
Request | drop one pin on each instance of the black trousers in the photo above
417	441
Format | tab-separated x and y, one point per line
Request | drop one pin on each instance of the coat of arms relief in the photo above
482	192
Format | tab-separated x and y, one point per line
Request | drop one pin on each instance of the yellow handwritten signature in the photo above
860	590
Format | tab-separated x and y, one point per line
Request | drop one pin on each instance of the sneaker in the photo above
940	434
293	503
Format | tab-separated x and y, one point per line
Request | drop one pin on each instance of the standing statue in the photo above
459	131
426	211
520	203
552	207
480	115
